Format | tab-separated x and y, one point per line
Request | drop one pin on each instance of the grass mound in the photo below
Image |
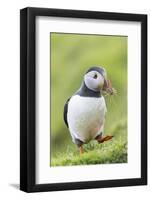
114	151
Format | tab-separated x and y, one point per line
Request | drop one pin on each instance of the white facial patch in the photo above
94	80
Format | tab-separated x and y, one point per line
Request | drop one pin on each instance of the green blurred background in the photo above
70	57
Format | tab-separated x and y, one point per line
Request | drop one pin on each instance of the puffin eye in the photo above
95	76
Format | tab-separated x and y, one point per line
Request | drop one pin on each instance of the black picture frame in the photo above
28	99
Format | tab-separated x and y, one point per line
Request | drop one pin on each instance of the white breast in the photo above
86	117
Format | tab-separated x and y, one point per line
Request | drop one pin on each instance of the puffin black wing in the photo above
65	112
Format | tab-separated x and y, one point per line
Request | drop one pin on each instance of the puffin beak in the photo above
107	87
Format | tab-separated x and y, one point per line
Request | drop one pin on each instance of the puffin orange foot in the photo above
81	150
106	138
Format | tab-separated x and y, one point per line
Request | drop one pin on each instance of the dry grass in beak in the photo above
109	89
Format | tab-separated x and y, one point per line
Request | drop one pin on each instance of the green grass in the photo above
113	151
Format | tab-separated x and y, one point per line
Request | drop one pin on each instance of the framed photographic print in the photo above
83	99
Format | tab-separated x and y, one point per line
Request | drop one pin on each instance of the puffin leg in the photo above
101	139
79	144
81	150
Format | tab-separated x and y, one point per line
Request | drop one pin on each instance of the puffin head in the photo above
96	80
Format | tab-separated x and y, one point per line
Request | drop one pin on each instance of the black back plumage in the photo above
65	112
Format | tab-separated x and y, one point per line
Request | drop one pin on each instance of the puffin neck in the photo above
84	91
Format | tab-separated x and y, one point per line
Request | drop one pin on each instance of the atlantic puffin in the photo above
84	112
